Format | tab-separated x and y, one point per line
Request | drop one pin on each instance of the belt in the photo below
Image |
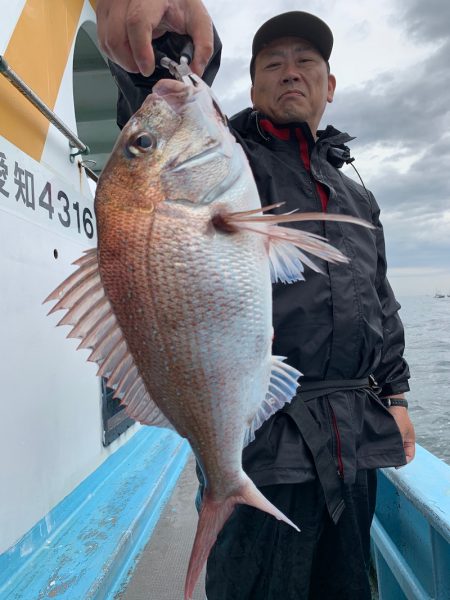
317	442
313	389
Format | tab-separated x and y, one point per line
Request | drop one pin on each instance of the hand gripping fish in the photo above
176	300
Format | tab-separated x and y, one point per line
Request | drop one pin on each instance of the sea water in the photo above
427	332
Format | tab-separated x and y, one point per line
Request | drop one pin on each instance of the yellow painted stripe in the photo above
38	52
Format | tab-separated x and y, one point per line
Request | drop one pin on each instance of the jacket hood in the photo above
248	122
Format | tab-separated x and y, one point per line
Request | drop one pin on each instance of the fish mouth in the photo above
168	86
212	142
175	93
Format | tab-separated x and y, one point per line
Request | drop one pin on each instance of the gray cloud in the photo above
406	114
413	206
232	85
425	21
405	246
424	189
411	106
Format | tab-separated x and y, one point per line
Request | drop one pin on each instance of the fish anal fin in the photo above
283	386
213	516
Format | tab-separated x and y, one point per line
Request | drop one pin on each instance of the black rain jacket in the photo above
336	327
344	324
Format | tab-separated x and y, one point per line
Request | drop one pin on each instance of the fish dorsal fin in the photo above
282	388
92	318
287	246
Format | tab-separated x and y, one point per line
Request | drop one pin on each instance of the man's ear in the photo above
331	87
251	94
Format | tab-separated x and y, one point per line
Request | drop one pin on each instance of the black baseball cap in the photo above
297	24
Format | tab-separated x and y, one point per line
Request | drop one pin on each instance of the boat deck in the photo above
92	544
162	565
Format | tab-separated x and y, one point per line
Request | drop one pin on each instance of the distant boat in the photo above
440	295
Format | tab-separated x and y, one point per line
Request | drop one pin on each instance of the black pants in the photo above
258	558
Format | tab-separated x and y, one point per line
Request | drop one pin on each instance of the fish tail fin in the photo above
213	515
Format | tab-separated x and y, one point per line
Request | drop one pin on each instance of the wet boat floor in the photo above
161	568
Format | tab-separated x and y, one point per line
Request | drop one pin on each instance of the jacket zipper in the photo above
305	158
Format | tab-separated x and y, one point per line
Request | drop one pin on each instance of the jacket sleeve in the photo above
133	88
392	373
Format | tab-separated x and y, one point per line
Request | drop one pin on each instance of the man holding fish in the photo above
316	458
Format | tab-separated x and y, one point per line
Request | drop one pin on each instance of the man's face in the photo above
292	82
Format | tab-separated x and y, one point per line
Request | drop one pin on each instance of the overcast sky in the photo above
391	59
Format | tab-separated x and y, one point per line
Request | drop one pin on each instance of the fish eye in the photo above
141	143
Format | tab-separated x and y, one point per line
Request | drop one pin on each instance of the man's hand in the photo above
406	428
126	29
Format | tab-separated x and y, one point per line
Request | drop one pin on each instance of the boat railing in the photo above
411	530
51	116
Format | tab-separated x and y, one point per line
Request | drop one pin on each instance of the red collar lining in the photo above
281	134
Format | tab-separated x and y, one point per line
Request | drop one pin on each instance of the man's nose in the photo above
290	76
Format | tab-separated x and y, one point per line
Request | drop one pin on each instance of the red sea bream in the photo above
175	302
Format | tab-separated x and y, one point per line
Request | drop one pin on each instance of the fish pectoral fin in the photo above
283	385
213	516
92	318
287	246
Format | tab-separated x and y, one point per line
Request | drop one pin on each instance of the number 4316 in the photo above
66	211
